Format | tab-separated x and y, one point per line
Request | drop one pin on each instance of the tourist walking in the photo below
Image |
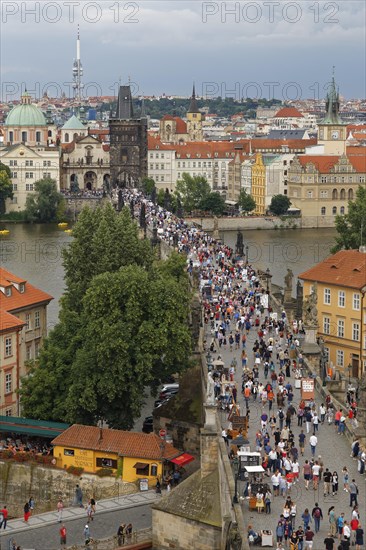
121	533
359	537
27	512
3	517
60	508
317	515
313	440
63	536
332	522
79	496
353	492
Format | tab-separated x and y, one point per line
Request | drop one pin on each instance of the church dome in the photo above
26	114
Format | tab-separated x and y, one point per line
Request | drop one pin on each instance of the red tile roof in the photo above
288	112
132	444
31	295
324	163
180	125
345	268
9	322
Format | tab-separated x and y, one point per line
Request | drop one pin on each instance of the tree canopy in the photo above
279	204
192	191
123	326
46	204
6	187
351	227
246	202
214	202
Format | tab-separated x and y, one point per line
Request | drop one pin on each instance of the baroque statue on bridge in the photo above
309	309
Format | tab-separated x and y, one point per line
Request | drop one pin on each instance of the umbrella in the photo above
218	363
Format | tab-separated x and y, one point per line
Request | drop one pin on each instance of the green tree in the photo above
46	204
6	187
279	204
122	326
148	185
214	202
351	227
192	191
246	202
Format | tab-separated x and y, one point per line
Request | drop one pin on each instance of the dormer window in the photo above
22	288
8	291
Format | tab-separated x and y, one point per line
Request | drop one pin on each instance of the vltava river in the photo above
34	252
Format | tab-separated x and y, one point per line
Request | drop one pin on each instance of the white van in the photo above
168	387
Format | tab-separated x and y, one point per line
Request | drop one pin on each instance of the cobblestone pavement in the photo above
334	449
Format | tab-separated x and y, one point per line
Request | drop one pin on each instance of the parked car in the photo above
167	387
168	393
147	426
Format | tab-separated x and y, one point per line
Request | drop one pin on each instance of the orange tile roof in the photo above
9	322
324	163
263	143
288	112
31	295
132	444
345	268
180	125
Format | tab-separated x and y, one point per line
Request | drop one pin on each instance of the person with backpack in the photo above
317	515
340	523
281	417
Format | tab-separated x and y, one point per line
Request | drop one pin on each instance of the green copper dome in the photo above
25	114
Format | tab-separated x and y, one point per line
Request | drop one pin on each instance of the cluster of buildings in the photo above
318	164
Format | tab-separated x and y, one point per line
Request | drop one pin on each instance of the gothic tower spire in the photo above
193	104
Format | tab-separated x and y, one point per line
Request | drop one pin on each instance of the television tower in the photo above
77	71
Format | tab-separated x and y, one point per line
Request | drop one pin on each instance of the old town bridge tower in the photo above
128	143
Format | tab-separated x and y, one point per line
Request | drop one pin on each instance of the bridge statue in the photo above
288	279
309	309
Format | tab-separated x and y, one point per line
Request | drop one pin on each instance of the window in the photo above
28	352
106	463
323	210
29	186
342	210
326	354
46	175
28	321
8	382
8	412
8	291
21	288
323	179
29	175
38	136
15	185
334	210
340	358
24	136
142	469
29	162
356	301
355	331
67	138
310	194
162	166
340	328
36	348
327	295
69	452
151	167
156	167
341	299
154	470
326	325
8	346
37	319
11	136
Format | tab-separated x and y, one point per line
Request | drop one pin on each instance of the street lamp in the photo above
268	276
349	368
236	477
246	255
322	361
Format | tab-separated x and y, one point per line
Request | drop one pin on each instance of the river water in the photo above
34	252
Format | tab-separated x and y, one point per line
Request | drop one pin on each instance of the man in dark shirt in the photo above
309	535
329	542
327	478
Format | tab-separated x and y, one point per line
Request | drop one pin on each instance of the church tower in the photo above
128	143
194	120
332	130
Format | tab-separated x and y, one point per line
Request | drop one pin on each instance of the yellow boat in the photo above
63	224
4	232
68	231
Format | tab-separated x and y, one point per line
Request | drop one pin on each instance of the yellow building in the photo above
134	455
341	288
259	185
194	120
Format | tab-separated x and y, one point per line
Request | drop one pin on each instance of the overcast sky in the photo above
271	48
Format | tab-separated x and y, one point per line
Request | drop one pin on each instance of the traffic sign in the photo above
162	433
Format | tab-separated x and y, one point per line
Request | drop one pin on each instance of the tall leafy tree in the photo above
46	204
214	202
351	227
6	187
246	202
123	326
279	204
192	191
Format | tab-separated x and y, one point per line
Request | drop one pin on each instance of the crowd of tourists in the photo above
240	323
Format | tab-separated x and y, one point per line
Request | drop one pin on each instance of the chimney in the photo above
100	434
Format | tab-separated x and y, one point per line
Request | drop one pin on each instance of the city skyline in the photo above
163	48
